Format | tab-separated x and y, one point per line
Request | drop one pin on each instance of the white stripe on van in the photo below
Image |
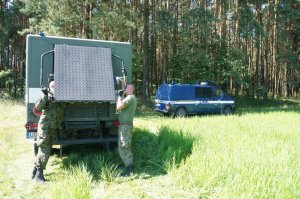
195	102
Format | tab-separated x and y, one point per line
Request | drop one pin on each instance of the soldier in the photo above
127	107
50	121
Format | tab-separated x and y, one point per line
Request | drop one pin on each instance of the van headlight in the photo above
168	107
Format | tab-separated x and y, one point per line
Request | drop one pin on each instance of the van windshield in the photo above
162	92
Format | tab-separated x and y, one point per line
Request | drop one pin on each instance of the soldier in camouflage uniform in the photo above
50	121
127	107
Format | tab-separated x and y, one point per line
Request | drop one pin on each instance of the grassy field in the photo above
254	153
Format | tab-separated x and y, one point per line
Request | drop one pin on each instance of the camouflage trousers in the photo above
45	137
124	144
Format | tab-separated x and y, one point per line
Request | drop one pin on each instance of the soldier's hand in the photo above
121	92
44	90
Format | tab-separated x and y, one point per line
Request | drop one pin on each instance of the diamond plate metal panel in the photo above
83	73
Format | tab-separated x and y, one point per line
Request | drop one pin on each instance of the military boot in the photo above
33	172
39	176
129	171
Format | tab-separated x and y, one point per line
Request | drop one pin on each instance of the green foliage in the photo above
10	85
12	50
237	62
215	41
36	12
164	23
192	59
6	78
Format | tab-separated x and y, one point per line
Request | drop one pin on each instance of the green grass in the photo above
251	154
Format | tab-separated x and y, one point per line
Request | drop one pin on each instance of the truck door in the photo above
203	98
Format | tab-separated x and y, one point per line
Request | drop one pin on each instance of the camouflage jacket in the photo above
52	112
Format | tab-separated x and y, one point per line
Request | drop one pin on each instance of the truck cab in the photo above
190	99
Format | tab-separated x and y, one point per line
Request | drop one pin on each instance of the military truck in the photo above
87	74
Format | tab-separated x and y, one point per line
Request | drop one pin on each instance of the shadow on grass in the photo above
154	154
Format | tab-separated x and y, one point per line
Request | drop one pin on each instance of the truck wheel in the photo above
180	112
35	149
227	111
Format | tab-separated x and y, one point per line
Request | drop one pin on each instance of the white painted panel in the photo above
34	94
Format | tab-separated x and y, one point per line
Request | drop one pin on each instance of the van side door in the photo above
203	97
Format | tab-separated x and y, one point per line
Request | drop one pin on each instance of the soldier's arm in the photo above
40	103
120	104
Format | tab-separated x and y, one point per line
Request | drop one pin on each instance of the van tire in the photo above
180	112
227	111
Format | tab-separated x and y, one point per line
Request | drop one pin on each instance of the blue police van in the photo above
190	99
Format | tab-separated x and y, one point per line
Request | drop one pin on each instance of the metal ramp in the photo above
83	73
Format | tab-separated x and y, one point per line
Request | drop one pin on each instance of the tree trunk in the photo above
145	49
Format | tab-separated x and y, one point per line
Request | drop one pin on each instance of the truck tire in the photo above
227	111
180	112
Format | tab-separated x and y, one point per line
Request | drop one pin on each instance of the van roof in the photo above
179	91
189	85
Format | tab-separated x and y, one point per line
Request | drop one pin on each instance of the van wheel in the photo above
180	112
227	111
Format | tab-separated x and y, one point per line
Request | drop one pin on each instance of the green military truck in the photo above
87	74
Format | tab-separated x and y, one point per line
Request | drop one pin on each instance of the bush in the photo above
11	86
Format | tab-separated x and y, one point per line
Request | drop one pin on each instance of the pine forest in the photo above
248	47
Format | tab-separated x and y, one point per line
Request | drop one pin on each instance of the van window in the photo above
181	92
202	92
217	92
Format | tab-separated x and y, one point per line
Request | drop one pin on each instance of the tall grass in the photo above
77	184
12	142
173	147
252	154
